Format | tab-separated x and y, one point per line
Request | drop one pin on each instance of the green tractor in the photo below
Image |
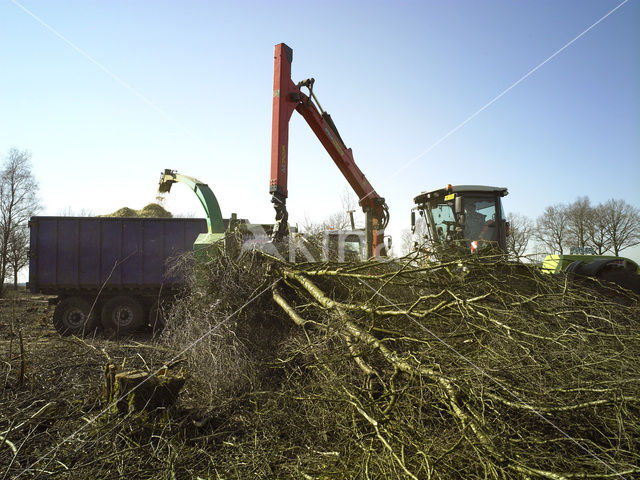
470	218
466	217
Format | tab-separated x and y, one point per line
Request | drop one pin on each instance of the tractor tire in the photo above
73	316
123	314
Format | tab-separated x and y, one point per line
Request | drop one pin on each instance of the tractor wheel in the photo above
73	316
124	314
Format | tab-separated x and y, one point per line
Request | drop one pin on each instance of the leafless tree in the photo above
340	220
418	239
18	254
335	221
552	230
407	242
577	214
70	212
622	224
521	230
597	233
18	202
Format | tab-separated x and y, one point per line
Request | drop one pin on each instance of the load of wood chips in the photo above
152	210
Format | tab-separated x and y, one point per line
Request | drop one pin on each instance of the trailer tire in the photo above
73	316
123	314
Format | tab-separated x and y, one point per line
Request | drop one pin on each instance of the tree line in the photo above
18	202
606	228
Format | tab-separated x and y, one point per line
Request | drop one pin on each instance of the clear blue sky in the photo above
190	85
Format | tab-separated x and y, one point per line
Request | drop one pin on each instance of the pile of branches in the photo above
471	369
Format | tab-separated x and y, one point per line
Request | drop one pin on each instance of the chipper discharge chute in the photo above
223	234
215	223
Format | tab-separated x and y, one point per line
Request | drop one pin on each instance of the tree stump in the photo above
137	390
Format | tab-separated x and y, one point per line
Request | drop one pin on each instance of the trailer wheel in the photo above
123	314
73	316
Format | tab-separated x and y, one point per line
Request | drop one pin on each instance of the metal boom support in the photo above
288	97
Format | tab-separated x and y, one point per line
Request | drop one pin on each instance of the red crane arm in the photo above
283	107
288	97
338	151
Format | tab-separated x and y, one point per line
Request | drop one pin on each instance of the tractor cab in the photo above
469	217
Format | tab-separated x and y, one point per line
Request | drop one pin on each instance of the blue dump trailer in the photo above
109	271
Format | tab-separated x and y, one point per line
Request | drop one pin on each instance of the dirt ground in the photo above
53	421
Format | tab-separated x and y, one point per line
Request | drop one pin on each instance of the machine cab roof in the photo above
433	194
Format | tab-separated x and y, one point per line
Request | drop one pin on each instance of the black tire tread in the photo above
110	305
84	304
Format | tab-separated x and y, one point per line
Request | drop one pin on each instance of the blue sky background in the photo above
395	76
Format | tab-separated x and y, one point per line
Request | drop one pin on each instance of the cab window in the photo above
480	218
443	220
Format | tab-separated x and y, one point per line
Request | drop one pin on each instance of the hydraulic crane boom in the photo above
287	97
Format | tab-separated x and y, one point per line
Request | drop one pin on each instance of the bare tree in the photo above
18	202
335	221
340	220
70	212
597	229
622	224
521	230
416	240
552	230
18	254
406	242
577	214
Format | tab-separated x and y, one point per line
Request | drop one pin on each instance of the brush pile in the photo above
471	369
397	370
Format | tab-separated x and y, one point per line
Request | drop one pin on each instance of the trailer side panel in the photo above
88	253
